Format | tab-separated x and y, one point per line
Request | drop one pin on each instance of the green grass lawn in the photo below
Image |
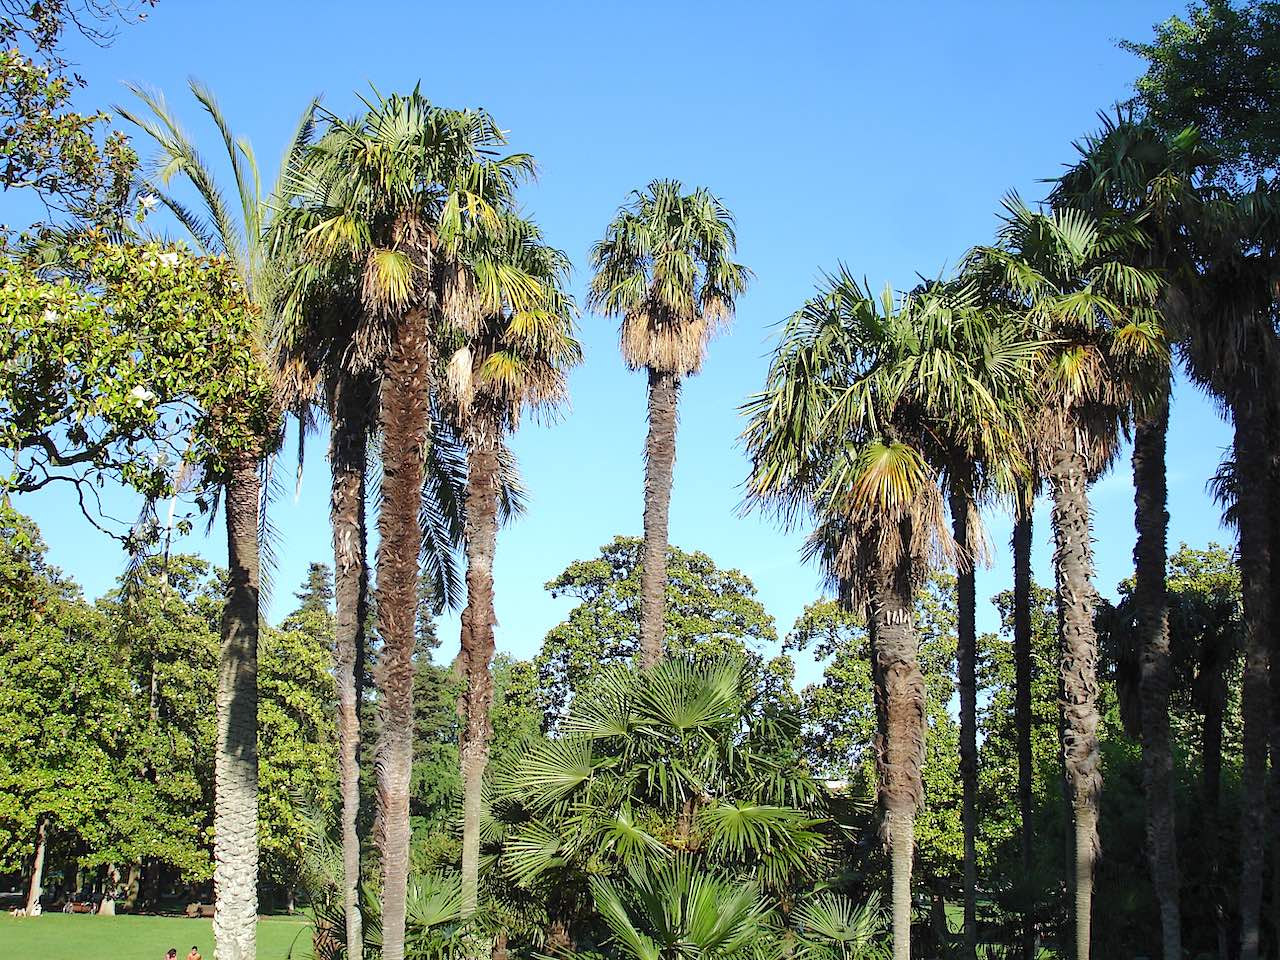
83	937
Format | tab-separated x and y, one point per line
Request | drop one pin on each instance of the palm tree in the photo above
847	429
976	474
235	233
672	759
1071	275
516	356
390	198
1020	543
1131	169
675	910
664	266
1232	350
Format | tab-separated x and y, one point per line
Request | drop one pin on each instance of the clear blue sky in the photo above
881	135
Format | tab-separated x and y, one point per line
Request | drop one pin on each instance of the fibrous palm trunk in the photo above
37	866
1151	599
404	410
1073	558
966	666
900	751
477	646
659	458
1022	531
349	438
235	771
1254	523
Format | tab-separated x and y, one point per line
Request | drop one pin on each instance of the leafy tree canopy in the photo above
710	613
135	363
1216	69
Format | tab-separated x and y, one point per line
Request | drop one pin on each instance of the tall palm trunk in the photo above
235	770
404	409
477	646
37	865
1022	532
1073	558
1215	707
1254	522
966	665
1273	792
900	694
659	457
1152	521
349	439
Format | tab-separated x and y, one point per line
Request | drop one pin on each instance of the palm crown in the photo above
665	267
388	200
863	399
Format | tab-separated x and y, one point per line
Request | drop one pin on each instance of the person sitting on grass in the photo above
194	954
171	954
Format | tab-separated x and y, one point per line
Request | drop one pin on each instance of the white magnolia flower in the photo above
169	259
141	395
148	201
50	316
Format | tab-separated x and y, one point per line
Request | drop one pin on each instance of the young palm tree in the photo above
676	910
515	357
1131	169
653	763
1071	275
847	430
236	233
391	197
664	266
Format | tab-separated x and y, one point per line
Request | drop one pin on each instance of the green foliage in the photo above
63	703
105	717
999	819
675	910
710	613
106	714
81	403
163	620
70	160
296	735
1214	69
676	759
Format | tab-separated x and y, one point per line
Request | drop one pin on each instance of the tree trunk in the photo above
476	647
1073	558
966	666
1213	664
348	454
900	691
1151	518
405	400
132	884
1069	827
1022	532
659	457
235	773
1254	523
1274	676
37	866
